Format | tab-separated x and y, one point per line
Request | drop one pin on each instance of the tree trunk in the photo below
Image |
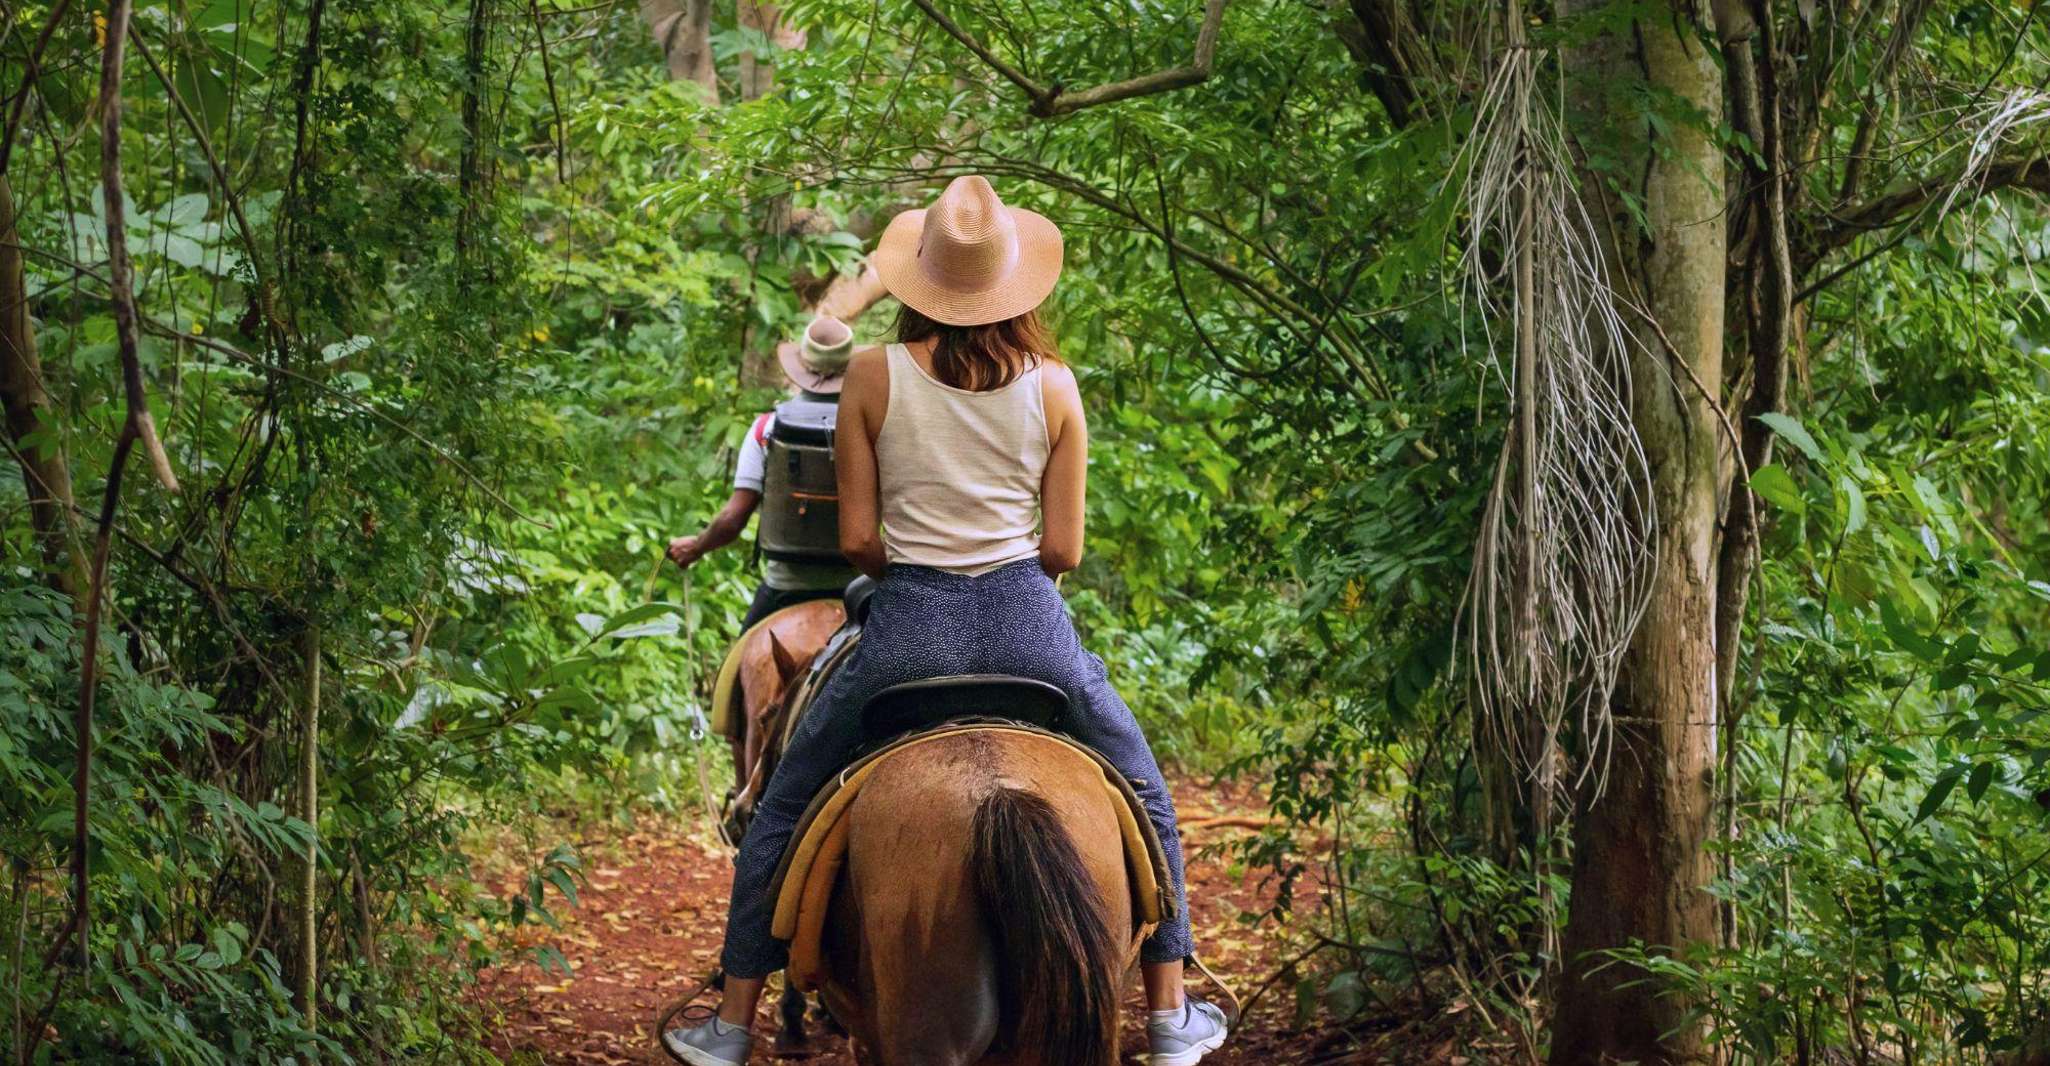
44	473
758	73
849	296
1639	861
774	220
309	810
684	30
1767	313
470	168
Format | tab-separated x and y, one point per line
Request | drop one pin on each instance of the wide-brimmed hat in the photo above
819	362
968	260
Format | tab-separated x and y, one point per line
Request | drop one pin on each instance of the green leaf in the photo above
1982	776
1932	500
649	619
1938	792
1906	637
561	880
184	210
181	250
660	627
1854	505
1772	483
1794	434
201	89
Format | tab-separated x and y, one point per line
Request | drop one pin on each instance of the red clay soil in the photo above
647	929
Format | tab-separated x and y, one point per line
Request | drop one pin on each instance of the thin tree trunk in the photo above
1768	313
309	810
136	428
1640	863
684	30
758	72
470	172
44	473
774	222
1763	272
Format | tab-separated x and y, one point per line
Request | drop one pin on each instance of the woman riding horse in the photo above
965	442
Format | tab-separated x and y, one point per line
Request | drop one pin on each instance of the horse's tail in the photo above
1056	954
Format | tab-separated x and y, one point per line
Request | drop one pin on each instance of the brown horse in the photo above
984	912
771	662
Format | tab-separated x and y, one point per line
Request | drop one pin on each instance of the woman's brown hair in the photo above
980	358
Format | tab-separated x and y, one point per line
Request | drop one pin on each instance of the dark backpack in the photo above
800	516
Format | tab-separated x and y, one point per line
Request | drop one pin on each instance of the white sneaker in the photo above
1182	1037
714	1043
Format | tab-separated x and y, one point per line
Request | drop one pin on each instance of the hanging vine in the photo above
1560	573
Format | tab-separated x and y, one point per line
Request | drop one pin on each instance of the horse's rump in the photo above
984	904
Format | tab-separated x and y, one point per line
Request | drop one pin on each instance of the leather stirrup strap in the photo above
1231	1016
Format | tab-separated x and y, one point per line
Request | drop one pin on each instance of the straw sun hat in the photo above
968	260
818	364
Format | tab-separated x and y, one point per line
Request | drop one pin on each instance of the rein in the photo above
1231	1017
715	979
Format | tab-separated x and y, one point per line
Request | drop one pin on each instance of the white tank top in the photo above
958	471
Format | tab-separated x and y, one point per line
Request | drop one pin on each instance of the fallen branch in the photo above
1230	821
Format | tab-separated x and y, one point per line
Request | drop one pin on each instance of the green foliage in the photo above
171	975
448	396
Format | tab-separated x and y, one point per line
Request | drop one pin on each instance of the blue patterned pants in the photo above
926	623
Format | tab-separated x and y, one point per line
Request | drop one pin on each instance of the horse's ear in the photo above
787	665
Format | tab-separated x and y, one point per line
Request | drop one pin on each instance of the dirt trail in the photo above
648	924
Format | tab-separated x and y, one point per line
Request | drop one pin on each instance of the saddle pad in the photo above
810	868
726	714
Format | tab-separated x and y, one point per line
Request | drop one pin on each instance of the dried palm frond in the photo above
1994	126
1561	567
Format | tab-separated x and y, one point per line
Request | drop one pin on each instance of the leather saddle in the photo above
919	705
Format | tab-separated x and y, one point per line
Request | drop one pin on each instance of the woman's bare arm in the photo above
864	400
1065	486
719	532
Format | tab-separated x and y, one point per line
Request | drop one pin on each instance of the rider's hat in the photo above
968	260
818	363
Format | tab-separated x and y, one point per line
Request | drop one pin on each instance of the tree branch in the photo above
1903	204
1049	101
137	426
1373	38
45	473
31	70
1879	83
